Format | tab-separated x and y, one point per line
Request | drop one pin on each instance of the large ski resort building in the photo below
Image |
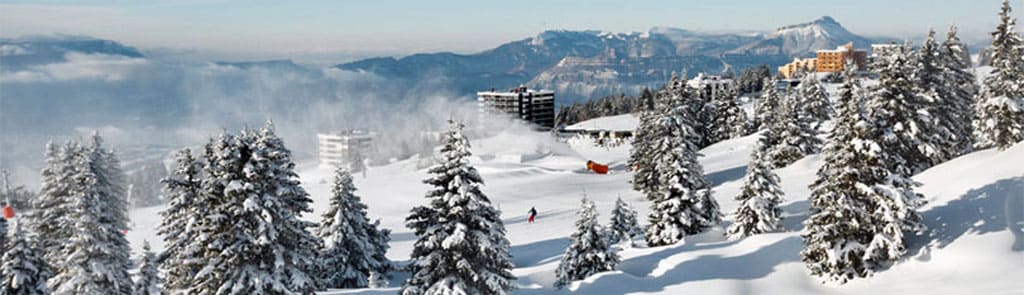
534	106
342	148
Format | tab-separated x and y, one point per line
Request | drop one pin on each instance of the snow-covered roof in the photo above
701	80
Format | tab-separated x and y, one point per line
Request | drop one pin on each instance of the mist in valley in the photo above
146	109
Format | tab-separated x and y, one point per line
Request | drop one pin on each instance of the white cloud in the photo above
78	66
11	50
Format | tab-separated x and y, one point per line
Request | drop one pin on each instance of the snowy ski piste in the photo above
973	242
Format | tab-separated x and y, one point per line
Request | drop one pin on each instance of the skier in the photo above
533	213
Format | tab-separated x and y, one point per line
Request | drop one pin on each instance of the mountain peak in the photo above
825	20
825	23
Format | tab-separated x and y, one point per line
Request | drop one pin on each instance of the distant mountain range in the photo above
580	65
39	50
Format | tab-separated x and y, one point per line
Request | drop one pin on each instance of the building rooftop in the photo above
843	48
701	80
348	133
515	91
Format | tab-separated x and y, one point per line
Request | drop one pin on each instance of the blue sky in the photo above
464	26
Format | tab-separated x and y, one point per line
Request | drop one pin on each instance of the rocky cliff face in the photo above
804	39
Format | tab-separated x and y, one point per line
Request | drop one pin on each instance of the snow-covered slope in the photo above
625	122
973	200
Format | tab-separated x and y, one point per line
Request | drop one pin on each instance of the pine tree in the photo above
111	186
729	120
589	251
893	106
768	106
790	137
736	117
265	248
759	198
3	236
350	254
1000	103
624	225
222	167
148	276
961	88
95	255
178	226
932	88
23	270
461	246
50	208
859	208
681	202
640	153
700	104
813	102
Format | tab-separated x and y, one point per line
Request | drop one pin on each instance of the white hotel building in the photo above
341	148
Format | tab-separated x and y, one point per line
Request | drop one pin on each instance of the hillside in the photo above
967	247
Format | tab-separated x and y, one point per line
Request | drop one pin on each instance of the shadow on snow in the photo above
988	209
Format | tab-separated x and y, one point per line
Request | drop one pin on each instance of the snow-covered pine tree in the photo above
112	192
296	243
461	246
728	120
961	87
95	255
859	208
111	185
681	202
22	269
814	106
736	117
3	236
349	255
148	278
701	104
894	108
221	183
1000	103
768	105
934	92
50	207
589	251
266	247
624	225
179	223
640	153
379	238
759	198
789	137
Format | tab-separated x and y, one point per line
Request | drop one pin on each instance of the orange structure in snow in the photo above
8	212
597	168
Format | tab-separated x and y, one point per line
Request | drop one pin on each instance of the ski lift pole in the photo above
7	187
8	210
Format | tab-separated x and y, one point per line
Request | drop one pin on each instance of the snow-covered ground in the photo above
972	201
626	122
